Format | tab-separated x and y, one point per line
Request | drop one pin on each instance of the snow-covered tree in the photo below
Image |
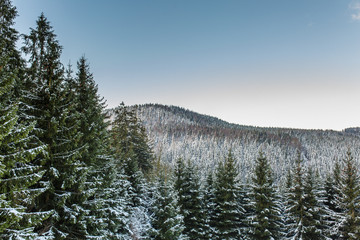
187	185
53	105
209	208
313	211
167	222
265	222
350	199
129	146
303	208
90	107
332	187
228	216
17	174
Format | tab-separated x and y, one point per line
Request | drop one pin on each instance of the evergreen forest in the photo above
72	169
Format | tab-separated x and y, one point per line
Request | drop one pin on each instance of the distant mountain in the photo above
177	132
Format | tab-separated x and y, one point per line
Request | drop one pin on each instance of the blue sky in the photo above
264	63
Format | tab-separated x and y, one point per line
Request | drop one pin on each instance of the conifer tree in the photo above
350	195
90	107
265	223
313	212
9	51
187	185
245	209
303	206
53	106
167	221
287	199
17	174
226	208
114	206
295	201
332	201
131	136
128	142
209	208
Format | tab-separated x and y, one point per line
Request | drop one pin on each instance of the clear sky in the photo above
262	63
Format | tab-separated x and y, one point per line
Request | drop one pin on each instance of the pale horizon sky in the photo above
262	63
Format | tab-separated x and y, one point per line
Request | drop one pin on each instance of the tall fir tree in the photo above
130	135
265	223
187	185
303	207
167	220
313	211
91	109
332	187
129	146
53	106
227	212
17	174
209	208
9	37
349	199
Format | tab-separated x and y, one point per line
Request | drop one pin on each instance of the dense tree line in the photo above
67	172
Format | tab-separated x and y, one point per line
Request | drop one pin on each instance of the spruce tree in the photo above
295	201
209	208
17	174
91	107
265	223
187	185
166	219
130	135
113	208
350	195
303	208
128	142
332	201
313	212
9	38
226	207
53	106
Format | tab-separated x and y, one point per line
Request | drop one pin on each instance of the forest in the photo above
71	170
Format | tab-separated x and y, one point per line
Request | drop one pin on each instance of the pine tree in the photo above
187	185
53	106
209	208
114	206
130	135
332	201
303	207
90	107
287	199
9	37
167	221
226	208
128	142
313	213
265	223
245	209
17	174
350	195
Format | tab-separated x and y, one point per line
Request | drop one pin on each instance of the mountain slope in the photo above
176	132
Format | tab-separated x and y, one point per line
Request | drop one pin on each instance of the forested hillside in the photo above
177	132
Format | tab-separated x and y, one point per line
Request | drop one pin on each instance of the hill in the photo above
177	132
